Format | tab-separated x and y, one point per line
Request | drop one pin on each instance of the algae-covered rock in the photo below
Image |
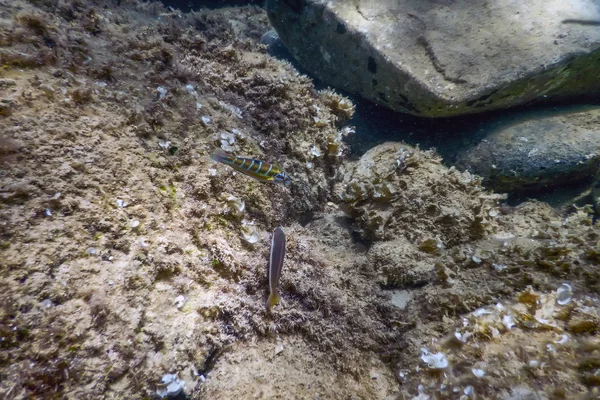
538	153
433	59
398	191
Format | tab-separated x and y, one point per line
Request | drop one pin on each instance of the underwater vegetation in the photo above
133	266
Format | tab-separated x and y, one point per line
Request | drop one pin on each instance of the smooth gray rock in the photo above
541	152
443	58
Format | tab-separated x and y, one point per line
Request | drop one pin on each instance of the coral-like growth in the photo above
340	106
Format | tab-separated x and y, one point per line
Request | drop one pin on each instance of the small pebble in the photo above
91	251
134	223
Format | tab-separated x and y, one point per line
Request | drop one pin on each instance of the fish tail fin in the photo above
272	301
222	157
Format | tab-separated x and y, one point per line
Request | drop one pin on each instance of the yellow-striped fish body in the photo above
259	170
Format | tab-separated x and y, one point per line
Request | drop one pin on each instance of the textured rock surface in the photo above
440	59
394	191
541	152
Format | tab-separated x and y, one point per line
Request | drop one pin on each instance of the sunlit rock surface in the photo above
432	59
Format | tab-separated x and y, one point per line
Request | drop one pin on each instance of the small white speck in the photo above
478	372
508	321
563	294
48	212
563	339
162	92
179	302
206	120
134	223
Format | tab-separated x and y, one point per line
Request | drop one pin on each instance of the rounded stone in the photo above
442	59
541	152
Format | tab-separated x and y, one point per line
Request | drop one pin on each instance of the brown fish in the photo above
275	265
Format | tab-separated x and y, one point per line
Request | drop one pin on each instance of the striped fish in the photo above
275	266
259	170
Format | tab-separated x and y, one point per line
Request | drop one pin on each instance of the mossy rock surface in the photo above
435	60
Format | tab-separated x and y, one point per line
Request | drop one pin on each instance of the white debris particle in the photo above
56	196
250	233
476	259
190	89
534	363
315	151
134	223
468	390
212	172
142	242
563	294
478	372
173	386
121	203
162	92
481	312
309	165
563	339
48	212
499	267
278	348
205	120
47	303
508	321
91	251
164	144
111	283
179	302
434	361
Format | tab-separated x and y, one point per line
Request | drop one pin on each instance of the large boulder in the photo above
433	58
540	152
